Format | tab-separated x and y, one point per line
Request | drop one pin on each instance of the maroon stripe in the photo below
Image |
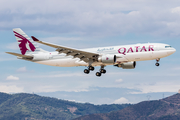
19	35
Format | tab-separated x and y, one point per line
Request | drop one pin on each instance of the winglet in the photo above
35	39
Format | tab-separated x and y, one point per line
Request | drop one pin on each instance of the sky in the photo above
85	24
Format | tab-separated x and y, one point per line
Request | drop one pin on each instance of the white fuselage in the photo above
124	53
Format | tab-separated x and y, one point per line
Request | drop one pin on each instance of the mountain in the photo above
25	106
163	109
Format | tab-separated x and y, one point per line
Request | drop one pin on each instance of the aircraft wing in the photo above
20	55
83	55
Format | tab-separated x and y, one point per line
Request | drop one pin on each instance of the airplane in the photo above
124	56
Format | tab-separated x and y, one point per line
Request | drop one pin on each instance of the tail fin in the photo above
26	45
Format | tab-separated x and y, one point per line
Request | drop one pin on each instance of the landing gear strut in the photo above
157	60
102	70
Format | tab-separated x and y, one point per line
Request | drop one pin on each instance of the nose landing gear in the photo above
157	60
157	64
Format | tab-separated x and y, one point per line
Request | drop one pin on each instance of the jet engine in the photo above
127	65
107	59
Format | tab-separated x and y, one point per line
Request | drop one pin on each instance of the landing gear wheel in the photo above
98	74
91	68
86	71
157	64
103	71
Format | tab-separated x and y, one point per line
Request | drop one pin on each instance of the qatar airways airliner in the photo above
124	56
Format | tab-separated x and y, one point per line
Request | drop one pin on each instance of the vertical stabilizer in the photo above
26	45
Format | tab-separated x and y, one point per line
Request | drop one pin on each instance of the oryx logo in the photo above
24	44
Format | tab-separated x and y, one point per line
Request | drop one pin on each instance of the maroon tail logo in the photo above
25	44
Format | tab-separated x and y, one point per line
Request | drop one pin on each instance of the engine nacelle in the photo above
107	59
128	65
40	56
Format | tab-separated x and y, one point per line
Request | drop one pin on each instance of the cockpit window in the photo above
168	47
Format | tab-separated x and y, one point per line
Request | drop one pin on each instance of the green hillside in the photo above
33	107
164	109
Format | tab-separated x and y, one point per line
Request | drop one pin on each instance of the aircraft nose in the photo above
174	50
171	51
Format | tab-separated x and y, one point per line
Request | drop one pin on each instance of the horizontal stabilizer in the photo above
20	55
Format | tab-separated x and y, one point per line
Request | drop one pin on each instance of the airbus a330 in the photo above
124	56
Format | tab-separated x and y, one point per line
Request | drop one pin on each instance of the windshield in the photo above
168	47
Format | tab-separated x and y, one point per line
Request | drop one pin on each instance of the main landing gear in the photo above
157	62
102	70
90	68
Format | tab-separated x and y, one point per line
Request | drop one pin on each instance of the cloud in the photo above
68	73
22	69
12	78
100	18
57	39
176	10
76	101
121	100
165	86
6	57
118	81
58	75
13	46
11	89
54	88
